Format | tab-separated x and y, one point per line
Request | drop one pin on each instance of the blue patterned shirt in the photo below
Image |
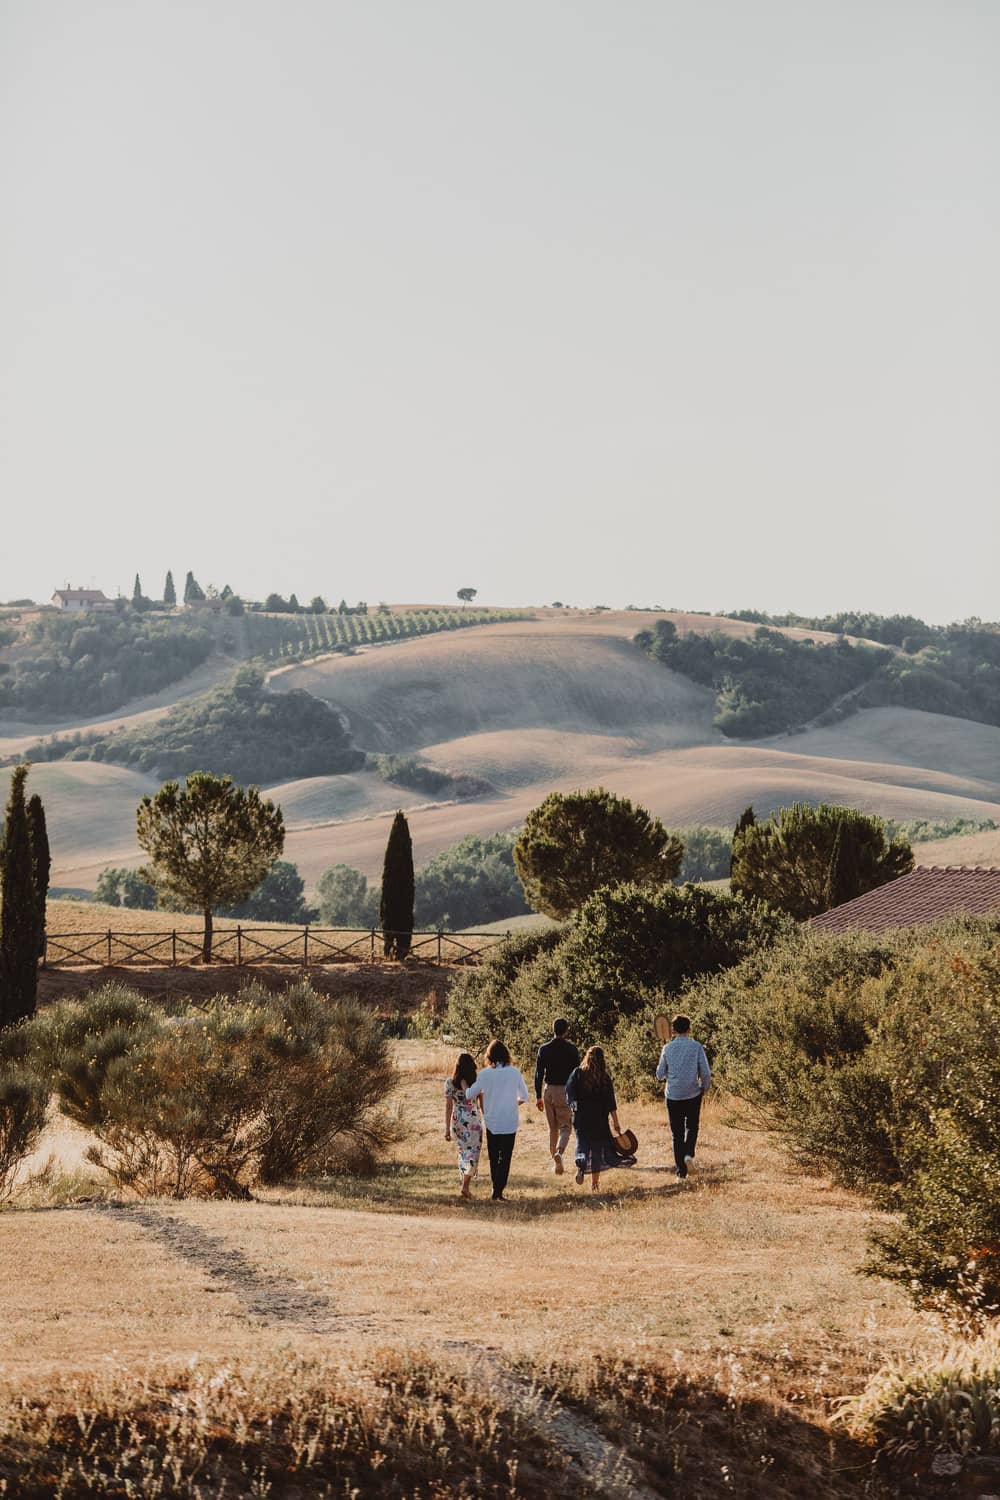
684	1067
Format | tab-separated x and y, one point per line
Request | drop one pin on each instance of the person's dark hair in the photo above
593	1069
497	1053
560	1027
681	1024
465	1070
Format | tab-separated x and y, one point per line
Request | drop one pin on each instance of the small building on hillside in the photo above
203	606
930	893
81	601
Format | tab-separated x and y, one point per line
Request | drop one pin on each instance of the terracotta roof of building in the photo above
927	894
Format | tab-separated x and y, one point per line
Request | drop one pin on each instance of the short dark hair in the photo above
496	1052
681	1024
560	1027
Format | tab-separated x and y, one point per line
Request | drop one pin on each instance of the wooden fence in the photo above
259	945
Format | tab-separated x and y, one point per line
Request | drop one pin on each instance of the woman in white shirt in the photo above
502	1090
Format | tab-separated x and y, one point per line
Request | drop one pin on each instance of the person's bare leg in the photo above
595	1181
467	1185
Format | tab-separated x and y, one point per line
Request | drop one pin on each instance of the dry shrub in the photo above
947	1402
401	1427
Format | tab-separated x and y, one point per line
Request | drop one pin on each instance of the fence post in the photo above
372	959
173	949
109	947
305	946
439	947
239	945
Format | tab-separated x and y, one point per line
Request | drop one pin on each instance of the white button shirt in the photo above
501	1090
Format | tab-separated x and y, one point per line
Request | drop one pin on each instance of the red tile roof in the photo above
927	894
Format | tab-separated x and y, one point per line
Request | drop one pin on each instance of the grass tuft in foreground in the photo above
411	1426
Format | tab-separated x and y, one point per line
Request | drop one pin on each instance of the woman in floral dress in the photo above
463	1120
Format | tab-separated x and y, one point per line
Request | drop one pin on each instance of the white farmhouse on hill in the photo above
79	601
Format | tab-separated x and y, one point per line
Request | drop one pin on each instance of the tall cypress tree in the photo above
169	592
136	589
747	819
192	588
396	907
19	917
41	864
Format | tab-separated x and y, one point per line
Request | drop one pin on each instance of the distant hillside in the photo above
556	702
771	682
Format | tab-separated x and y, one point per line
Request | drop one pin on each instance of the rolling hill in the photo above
554	703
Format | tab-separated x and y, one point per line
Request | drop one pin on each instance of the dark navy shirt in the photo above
555	1062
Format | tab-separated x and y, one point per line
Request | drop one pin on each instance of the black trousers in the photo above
684	1115
501	1149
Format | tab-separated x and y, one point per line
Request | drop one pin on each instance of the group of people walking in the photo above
573	1094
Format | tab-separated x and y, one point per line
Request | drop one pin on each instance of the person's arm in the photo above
474	1090
704	1071
571	1088
613	1108
661	1067
522	1088
539	1078
449	1105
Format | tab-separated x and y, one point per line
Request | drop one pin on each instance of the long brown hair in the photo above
594	1069
465	1070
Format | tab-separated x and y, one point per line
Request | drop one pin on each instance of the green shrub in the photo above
23	1101
328	1073
212	1102
877	1059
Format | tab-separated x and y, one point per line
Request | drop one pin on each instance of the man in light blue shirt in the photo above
684	1068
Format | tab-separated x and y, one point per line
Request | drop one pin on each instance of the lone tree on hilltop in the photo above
169	592
805	859
574	844
136	589
209	843
19	918
41	864
396	907
747	819
467	595
192	588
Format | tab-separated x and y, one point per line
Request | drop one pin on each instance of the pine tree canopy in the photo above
802	857
209	843
574	844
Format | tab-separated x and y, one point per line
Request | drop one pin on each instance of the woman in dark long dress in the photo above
590	1093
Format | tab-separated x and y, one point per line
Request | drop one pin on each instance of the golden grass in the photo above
726	1310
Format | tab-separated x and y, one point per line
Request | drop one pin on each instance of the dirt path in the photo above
276	1299
271	1298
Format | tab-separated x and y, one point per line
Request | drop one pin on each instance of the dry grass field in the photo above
554	703
736	1292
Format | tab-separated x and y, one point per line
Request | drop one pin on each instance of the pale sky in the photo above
685	302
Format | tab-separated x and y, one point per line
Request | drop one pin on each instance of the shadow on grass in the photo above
402	1187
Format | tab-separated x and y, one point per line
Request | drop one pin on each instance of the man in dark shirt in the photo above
555	1062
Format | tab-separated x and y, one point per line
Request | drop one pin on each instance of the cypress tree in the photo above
19	917
192	588
41	864
136	589
396	907
169	592
747	819
843	880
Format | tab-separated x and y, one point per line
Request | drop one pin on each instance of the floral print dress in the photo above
466	1127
